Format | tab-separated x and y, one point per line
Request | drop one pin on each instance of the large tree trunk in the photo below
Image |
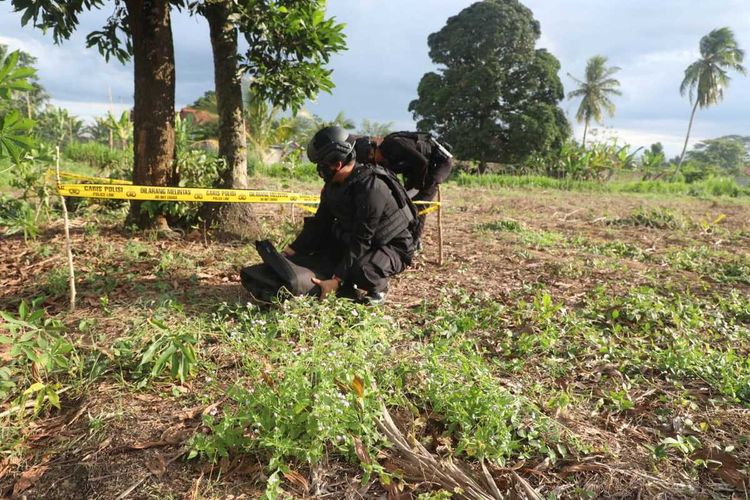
153	112
234	218
687	138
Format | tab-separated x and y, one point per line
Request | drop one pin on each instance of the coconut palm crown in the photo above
596	92
706	78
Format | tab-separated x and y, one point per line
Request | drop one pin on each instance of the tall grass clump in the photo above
299	171
528	181
99	156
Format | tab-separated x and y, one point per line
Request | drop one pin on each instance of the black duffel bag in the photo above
279	276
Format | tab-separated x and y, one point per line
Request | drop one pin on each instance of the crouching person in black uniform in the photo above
424	162
364	225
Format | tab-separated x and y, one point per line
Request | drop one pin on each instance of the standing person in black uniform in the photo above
364	224
421	159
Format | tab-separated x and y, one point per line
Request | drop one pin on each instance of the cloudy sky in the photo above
652	41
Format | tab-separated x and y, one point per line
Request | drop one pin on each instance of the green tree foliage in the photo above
99	131
141	29
657	148
706	78
340	120
574	161
652	163
375	129
304	125
264	126
495	97
725	153
121	128
56	126
206	102
27	102
14	128
289	44
596	91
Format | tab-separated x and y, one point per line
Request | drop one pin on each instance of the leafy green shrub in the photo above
643	331
18	216
317	376
718	186
487	421
173	350
196	168
597	161
528	181
39	357
15	130
321	394
652	187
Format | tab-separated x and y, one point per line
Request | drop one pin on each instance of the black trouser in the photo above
426	194
369	274
371	271
438	174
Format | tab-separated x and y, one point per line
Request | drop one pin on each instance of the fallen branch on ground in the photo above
446	472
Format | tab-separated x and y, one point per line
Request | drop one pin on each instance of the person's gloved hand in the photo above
288	252
327	286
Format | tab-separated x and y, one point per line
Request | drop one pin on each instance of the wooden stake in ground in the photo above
68	244
440	227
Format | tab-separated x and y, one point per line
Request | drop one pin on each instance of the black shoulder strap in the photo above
399	192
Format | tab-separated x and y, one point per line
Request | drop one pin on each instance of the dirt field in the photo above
620	323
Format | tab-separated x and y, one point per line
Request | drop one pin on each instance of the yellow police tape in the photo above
116	189
432	206
98	180
202	195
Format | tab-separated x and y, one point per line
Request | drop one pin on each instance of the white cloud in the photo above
89	110
652	41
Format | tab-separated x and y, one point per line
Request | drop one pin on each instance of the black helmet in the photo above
364	147
330	145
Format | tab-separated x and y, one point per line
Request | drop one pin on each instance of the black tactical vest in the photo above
399	213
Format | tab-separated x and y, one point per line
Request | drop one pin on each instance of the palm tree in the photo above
595	92
264	126
707	77
121	128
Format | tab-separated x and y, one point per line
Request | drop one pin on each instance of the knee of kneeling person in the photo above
367	279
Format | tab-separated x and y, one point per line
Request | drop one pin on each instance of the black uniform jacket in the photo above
350	217
404	157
